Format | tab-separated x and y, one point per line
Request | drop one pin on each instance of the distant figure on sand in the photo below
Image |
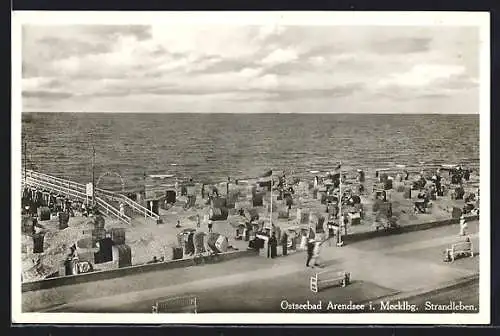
122	210
84	210
210	224
178	225
198	224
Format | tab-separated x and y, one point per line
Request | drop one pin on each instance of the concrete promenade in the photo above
379	267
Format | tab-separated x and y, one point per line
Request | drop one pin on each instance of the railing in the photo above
136	207
56	188
55	180
109	209
72	187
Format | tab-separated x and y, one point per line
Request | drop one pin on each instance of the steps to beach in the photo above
108	201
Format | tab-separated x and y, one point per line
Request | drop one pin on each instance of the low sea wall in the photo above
121	272
355	237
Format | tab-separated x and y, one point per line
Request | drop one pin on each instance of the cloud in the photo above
401	45
423	74
317	60
42	45
280	56
222	68
270	31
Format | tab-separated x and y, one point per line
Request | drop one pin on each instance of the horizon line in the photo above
339	113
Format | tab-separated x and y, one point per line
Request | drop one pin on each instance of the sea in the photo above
209	148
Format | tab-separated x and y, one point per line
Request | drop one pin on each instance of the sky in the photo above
250	69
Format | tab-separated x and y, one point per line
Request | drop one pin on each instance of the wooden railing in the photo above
78	190
55	180
134	206
70	189
53	187
108	209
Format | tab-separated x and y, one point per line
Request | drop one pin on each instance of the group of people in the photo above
313	251
88	209
273	237
312	245
458	174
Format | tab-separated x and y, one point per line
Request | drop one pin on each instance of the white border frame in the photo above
480	20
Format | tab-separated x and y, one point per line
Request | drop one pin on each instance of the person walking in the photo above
331	233
210	224
315	255
198	220
463	226
190	244
310	251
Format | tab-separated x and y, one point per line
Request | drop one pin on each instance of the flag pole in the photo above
271	210
341	218
93	170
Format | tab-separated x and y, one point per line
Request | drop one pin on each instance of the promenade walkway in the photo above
381	266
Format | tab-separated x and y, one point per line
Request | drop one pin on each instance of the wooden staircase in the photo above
107	201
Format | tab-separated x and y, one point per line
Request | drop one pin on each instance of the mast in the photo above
271	210
340	242
25	159
93	170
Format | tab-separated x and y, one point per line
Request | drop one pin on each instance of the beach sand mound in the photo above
55	248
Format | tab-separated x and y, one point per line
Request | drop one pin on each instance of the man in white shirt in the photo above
463	226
